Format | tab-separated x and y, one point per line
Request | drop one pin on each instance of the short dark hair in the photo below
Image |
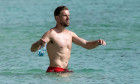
59	9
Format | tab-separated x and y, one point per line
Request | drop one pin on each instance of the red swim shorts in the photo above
57	70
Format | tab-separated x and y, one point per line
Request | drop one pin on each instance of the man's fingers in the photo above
101	42
104	43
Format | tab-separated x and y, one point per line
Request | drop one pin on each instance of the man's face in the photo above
64	17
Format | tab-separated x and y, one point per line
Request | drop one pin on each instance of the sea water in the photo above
22	22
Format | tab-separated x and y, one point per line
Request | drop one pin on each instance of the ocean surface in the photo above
22	22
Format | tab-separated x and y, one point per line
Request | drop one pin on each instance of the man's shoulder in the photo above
66	30
69	31
50	31
72	33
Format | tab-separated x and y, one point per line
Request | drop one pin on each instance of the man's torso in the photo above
59	48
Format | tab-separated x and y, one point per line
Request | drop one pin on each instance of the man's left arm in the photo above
94	44
87	44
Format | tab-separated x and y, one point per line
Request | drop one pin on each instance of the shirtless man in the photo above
59	42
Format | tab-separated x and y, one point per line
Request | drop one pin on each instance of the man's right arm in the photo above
41	43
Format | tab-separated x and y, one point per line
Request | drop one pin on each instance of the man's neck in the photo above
60	28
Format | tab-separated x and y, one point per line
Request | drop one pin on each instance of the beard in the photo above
64	24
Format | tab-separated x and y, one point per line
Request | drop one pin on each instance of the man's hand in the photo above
101	42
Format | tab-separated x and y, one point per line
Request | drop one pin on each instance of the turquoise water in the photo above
23	22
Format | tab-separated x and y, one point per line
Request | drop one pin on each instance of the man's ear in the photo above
56	18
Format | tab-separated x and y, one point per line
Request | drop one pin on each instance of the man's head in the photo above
61	15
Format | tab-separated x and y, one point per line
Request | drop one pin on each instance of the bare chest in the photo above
62	40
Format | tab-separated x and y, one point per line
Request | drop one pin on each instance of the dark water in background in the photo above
22	22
